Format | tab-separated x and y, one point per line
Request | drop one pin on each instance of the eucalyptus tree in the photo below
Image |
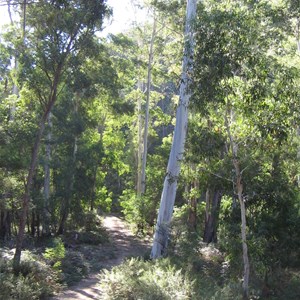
146	126
239	76
145	59
170	183
57	32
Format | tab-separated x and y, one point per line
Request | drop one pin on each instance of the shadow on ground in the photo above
122	244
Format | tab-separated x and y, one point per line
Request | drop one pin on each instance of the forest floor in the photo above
122	244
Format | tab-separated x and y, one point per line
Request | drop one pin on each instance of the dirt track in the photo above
123	244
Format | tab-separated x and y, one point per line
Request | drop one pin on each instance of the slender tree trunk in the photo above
92	206
239	191
147	115
66	205
140	144
33	223
46	214
170	184
239	188
192	217
31	171
26	196
4	224
298	34
15	90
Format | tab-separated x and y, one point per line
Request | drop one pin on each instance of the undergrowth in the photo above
53	262
194	270
35	280
147	280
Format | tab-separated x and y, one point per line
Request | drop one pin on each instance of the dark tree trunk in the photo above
32	167
5	226
61	227
192	217
213	201
38	223
93	196
33	222
70	184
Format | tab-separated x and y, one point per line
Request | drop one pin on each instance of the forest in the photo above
186	126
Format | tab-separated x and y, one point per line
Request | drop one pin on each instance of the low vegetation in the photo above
52	263
35	280
87	124
195	270
148	280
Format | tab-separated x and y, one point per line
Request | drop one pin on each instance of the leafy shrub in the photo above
91	221
70	264
85	221
137	279
56	253
35	280
74	267
92	238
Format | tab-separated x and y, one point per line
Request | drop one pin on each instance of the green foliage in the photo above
56	254
131	206
35	280
71	265
74	267
92	237
136	279
91	221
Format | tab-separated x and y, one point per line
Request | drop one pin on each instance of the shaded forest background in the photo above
79	114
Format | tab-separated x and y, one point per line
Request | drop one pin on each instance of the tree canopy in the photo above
88	124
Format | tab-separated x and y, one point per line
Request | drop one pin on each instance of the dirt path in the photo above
123	244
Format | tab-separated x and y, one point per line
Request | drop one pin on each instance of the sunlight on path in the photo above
123	244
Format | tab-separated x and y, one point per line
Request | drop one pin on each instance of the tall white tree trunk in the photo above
140	143
15	90
147	115
298	34
170	184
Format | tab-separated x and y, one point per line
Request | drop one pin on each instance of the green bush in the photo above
35	280
71	265
137	279
92	238
56	254
74	267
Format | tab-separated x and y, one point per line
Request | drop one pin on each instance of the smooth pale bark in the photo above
298	35
165	213
239	192
15	90
147	115
140	143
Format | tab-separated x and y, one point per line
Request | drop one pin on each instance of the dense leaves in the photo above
246	88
